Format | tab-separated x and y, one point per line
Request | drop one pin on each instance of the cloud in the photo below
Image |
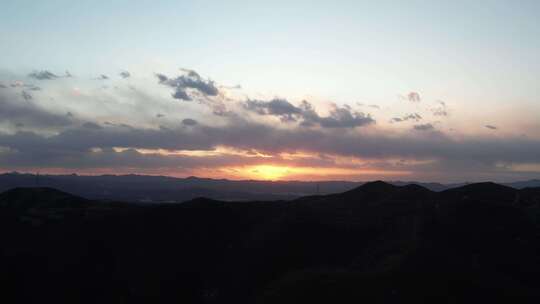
189	122
43	75
491	127
27	113
424	127
413	97
17	84
235	87
190	73
91	125
191	80
21	84
181	94
342	118
26	96
413	116
373	106
162	78
33	88
72	146
125	74
339	117
38	133
277	107
441	110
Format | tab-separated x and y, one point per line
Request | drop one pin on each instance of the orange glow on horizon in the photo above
257	165
277	172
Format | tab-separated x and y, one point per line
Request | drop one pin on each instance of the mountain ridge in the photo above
170	189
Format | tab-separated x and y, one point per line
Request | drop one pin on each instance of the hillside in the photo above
377	243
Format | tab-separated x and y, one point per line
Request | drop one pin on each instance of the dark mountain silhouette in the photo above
525	184
169	189
40	198
383	190
482	192
377	243
141	188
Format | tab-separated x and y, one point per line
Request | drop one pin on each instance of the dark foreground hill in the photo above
377	243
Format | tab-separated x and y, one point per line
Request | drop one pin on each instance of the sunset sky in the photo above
276	90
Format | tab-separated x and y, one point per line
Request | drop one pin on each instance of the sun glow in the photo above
277	172
269	172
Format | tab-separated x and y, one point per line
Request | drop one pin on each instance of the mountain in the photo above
376	243
144	188
40	198
525	184
482	192
382	190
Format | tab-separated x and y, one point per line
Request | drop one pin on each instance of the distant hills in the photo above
145	188
375	243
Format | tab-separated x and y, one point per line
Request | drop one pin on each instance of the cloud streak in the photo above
414	116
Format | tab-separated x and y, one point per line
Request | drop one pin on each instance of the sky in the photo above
277	90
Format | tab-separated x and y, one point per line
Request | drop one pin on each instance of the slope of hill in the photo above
482	192
377	243
40	198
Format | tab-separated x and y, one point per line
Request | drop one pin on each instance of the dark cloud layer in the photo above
77	142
